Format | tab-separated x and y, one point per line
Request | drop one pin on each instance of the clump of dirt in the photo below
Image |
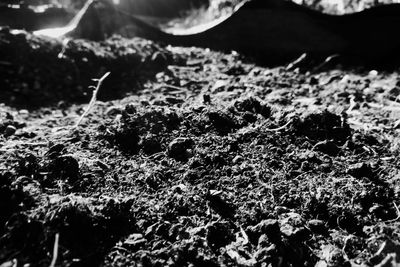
8	125
53	169
253	106
86	230
145	128
149	127
15	197
324	126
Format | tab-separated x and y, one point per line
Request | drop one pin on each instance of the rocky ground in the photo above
193	158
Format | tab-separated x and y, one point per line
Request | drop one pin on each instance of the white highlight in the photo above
61	31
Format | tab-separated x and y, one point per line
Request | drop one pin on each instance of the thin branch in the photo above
279	128
325	62
93	99
295	63
55	251
397	211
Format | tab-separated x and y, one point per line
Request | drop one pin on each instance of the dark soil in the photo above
36	71
193	158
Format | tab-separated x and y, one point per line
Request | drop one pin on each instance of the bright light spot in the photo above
116	2
15	32
54	32
62	31
373	73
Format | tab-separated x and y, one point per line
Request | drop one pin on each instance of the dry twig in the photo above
297	62
398	213
279	128
93	99
326	61
55	251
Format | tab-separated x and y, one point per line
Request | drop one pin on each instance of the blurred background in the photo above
164	14
175	8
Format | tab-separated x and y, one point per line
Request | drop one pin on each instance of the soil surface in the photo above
193	158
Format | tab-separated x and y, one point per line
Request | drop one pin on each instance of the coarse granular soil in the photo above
193	158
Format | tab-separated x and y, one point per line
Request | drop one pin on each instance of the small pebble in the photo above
24	113
373	73
10	130
113	111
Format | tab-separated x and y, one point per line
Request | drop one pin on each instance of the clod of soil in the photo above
324	126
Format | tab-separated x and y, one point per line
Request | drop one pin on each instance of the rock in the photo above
24	113
9	130
113	111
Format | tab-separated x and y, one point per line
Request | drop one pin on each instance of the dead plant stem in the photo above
93	99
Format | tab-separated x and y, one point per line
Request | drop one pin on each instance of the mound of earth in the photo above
211	161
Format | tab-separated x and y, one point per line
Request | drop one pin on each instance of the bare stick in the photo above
326	61
71	26
295	63
279	128
93	99
55	251
398	213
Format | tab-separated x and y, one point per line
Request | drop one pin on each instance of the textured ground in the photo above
202	160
